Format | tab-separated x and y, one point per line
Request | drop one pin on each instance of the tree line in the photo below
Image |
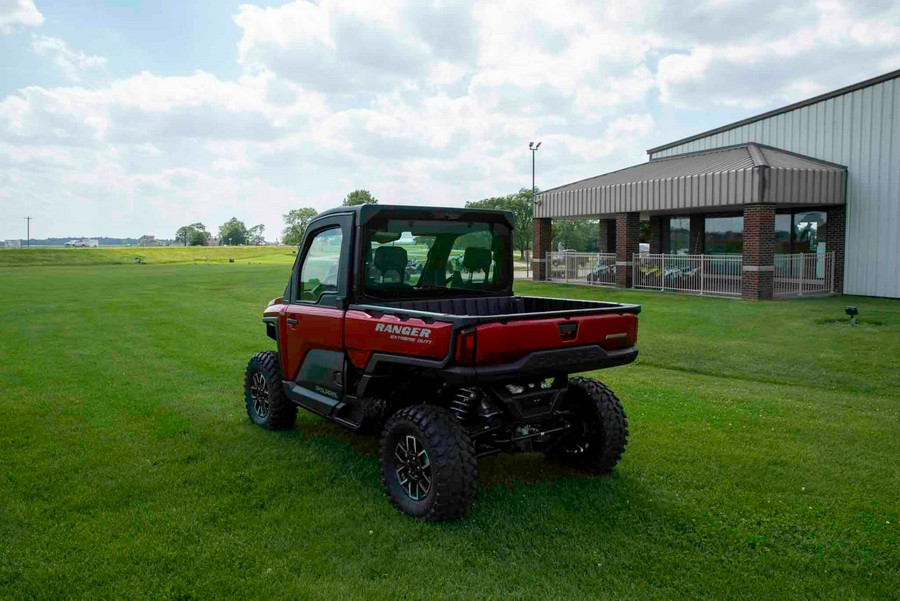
231	233
519	204
577	234
235	233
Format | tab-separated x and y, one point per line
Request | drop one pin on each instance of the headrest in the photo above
391	258
477	259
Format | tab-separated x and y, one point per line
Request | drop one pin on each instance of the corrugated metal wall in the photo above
861	130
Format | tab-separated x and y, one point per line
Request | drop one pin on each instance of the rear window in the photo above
403	258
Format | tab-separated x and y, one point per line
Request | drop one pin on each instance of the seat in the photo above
477	259
391	258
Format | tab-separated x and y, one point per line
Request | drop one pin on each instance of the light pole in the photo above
28	231
533	148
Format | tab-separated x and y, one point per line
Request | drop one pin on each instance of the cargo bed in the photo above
481	309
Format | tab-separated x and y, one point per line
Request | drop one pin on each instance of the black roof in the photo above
366	213
785	109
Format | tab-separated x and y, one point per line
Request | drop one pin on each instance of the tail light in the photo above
623	338
465	347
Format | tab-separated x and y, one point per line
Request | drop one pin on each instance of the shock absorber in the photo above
464	403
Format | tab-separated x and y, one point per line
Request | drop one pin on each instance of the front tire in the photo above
599	432
428	464
267	405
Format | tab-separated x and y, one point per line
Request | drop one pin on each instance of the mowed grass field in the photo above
121	255
764	458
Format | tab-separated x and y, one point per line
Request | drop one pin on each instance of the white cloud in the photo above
420	102
18	13
827	44
71	64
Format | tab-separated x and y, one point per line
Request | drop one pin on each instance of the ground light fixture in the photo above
852	312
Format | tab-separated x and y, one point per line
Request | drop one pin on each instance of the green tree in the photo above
233	233
194	234
360	197
255	234
200	236
295	225
576	234
520	205
183	234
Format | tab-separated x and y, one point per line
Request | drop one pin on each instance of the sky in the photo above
126	118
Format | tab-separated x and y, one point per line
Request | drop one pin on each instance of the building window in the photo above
799	232
724	235
783	233
806	231
678	240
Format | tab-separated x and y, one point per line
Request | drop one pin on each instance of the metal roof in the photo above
724	177
791	107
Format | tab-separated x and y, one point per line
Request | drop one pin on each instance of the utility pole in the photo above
28	231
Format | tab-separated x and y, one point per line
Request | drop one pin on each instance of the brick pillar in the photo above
759	252
606	236
657	235
628	233
543	238
835	221
698	234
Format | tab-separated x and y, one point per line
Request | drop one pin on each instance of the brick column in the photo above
628	233
606	236
657	235
543	238
835	223
759	252
698	234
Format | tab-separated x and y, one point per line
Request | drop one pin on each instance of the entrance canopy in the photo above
715	179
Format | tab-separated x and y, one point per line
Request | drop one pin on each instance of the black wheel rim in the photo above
413	469
259	392
582	431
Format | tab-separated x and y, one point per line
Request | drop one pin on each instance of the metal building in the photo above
835	159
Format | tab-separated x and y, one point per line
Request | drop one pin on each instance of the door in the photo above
314	328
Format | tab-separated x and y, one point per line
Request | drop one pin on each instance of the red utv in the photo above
402	321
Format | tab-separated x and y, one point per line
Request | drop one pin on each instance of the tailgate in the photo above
507	342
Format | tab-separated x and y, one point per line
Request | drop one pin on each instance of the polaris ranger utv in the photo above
402	321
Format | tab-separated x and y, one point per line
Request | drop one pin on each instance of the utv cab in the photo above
402	322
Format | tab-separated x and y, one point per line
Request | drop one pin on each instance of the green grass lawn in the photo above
763	460
150	254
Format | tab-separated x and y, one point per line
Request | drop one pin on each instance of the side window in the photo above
321	265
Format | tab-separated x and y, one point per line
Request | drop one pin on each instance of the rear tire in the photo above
267	405
599	433
428	464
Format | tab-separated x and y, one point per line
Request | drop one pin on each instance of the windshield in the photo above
411	258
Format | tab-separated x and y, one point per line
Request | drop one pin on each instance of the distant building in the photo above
12	244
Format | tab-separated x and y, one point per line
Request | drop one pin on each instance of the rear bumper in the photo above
543	364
